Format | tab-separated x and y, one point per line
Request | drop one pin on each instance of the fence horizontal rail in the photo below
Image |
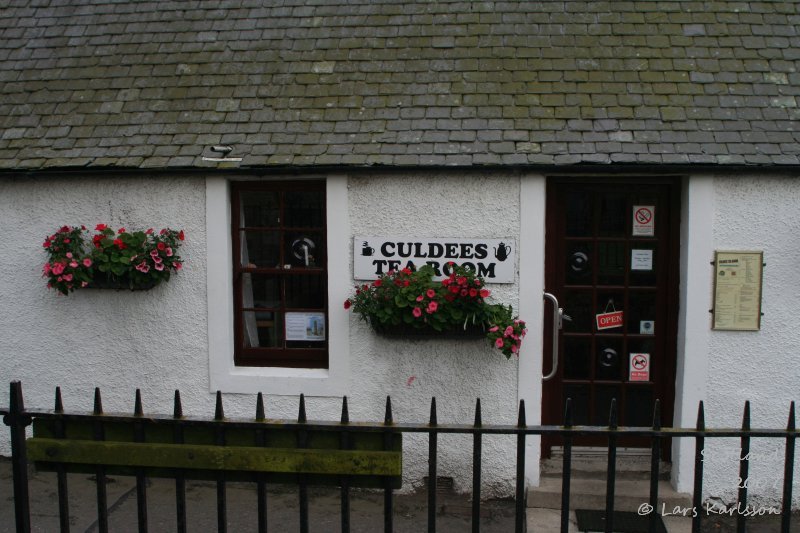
341	452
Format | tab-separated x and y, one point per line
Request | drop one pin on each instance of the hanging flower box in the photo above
121	260
409	304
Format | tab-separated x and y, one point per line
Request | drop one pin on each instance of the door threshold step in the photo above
543	520
629	495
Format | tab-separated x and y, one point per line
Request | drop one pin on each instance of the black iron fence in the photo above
344	453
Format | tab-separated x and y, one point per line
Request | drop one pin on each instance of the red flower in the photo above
454	289
121	230
347	304
377	283
46	243
96	241
484	293
100	227
161	246
473	292
180	235
119	244
64	229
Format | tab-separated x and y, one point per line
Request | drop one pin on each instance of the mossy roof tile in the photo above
152	84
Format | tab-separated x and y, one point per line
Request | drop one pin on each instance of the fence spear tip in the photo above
301	415
59	407
387	417
177	409
260	415
219	412
98	403
345	419
521	418
478	420
137	404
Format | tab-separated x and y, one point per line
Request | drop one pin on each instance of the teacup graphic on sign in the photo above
366	249
501	251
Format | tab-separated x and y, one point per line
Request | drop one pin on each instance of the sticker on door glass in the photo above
647	327
641	259
644	220
305	326
639	368
610	318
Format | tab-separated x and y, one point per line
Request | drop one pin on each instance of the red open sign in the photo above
609	320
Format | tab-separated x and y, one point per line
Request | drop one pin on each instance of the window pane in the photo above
578	306
303	209
259	208
305	292
610	263
261	249
577	362
602	404
579	264
260	291
639	406
579	214
613	213
610	361
262	329
580	403
304	249
642	315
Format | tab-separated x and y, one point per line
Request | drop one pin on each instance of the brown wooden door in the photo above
612	250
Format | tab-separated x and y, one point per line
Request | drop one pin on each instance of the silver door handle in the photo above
558	318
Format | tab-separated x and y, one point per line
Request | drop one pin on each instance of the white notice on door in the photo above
641	259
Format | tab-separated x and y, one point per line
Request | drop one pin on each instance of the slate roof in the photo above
373	82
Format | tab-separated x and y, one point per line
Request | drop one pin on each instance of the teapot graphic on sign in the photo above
366	249
501	251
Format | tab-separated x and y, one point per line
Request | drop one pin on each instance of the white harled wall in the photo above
176	335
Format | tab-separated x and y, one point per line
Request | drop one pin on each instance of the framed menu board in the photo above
737	290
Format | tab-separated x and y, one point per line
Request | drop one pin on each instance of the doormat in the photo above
624	522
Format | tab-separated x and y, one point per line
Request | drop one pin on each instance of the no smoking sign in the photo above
644	220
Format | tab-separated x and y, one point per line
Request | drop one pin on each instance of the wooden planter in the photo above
404	331
102	281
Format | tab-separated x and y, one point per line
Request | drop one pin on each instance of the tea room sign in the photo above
491	259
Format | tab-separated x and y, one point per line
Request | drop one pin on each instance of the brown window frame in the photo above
291	357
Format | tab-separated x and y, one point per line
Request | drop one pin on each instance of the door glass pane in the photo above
577	359
609	304
579	264
610	360
641	312
262	329
613	211
305	249
259	209
260	249
643	264
578	305
303	209
602	402
579	214
639	406
611	263
580	403
305	292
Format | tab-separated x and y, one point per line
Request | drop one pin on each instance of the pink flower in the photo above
57	269
169	252
178	265
87	262
498	342
509	330
157	260
432	307
73	264
430	293
153	253
84	283
417	312
69	255
484	293
514	348
493	329
67	277
420	298
159	266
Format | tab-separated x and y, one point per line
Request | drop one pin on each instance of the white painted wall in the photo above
175	335
179	334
